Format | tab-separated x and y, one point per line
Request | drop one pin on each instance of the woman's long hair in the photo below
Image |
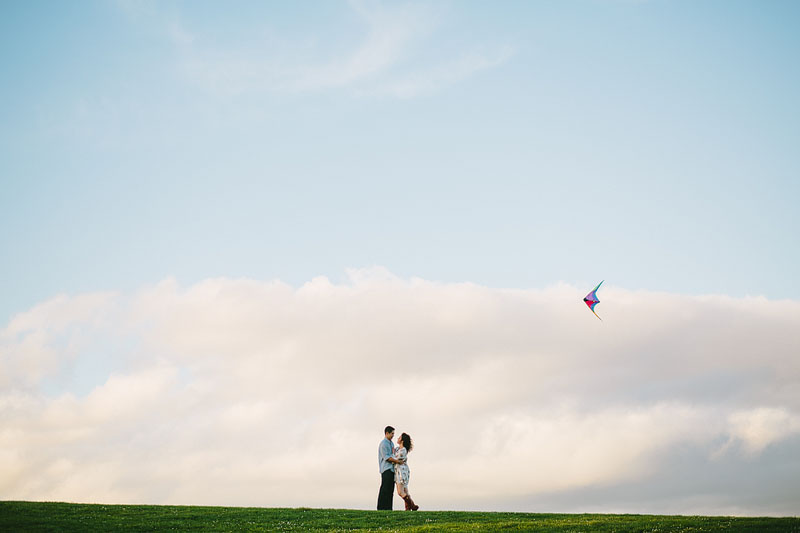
407	443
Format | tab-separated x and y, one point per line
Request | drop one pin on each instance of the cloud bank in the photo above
246	392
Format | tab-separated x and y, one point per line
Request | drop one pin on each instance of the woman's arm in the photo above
400	459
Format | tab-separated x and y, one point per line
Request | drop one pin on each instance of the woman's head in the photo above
405	441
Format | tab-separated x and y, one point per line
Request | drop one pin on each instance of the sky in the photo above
239	240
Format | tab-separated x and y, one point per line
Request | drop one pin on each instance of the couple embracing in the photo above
394	470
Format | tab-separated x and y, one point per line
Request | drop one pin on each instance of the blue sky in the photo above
649	143
213	217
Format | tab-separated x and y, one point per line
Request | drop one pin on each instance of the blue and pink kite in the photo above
591	300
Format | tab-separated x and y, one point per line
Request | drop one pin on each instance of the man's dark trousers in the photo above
386	493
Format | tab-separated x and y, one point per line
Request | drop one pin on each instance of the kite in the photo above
591	299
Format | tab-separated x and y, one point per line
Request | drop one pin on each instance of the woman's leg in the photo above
410	505
401	490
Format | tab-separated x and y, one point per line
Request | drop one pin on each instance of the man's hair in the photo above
388	429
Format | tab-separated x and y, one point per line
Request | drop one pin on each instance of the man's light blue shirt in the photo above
385	450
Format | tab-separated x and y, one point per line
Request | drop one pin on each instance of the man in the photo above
386	466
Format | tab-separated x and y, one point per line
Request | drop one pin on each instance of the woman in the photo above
401	472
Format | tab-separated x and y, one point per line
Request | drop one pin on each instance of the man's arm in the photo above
386	452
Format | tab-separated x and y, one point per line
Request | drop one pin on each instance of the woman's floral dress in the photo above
401	472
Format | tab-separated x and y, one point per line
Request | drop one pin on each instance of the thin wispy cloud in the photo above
390	35
390	56
443	75
240	392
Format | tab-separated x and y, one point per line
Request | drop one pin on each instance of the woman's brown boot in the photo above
410	503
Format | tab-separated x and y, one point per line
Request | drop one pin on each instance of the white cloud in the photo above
27	352
758	428
258	393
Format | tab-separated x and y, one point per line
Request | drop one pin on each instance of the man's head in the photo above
389	432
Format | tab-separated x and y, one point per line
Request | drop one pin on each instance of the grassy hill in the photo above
65	517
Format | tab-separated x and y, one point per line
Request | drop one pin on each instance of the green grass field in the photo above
65	517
